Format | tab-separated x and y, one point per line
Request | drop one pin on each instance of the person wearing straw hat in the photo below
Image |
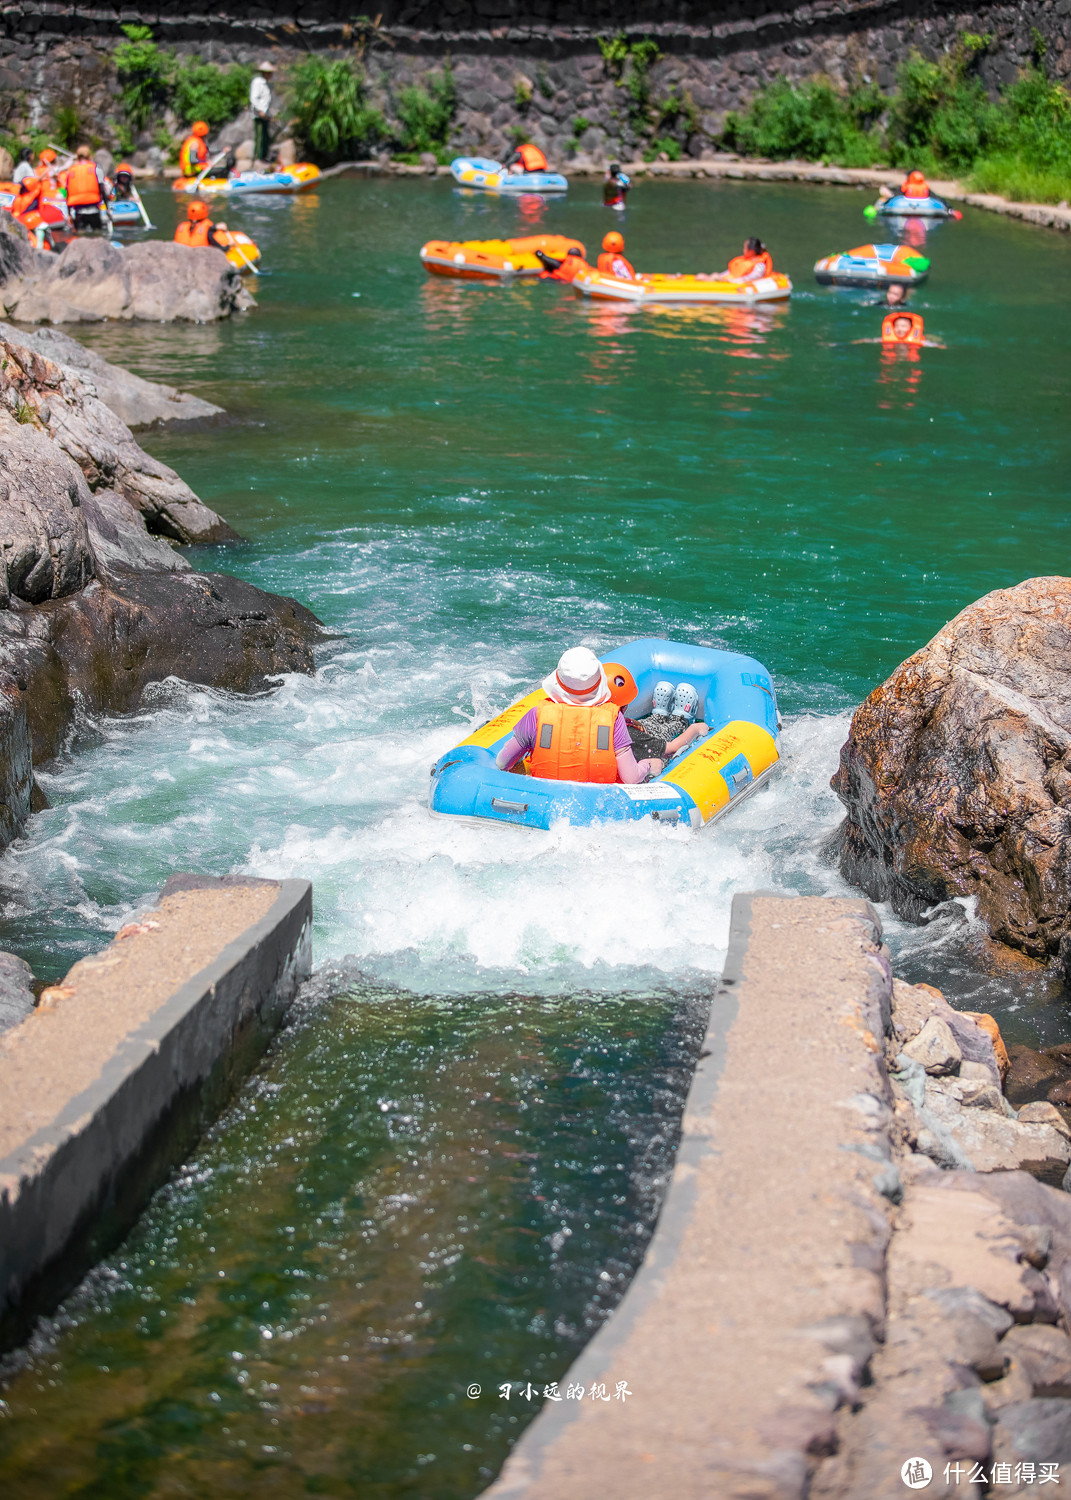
578	733
260	104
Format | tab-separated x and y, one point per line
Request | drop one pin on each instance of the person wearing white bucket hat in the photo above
260	104
578	734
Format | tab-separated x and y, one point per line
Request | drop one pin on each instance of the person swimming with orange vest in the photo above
566	269
755	263
612	261
197	230
193	153
902	328
526	158
579	733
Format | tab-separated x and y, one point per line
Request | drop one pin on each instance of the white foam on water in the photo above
327	778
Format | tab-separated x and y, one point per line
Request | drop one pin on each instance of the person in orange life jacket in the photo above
915	186
198	231
615	186
86	191
578	733
526	158
612	261
902	328
193	153
562	270
668	729
755	262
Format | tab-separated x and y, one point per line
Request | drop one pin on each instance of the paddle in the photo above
141	207
219	156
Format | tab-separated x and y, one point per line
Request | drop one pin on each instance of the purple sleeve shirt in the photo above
523	739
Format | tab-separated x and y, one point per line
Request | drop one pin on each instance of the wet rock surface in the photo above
16	990
135	401
156	280
956	774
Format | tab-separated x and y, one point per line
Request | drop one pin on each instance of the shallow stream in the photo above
450	1163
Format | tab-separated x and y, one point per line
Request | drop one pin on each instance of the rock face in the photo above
54	399
137	402
156	280
957	771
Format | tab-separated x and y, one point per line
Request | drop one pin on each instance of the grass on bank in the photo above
939	119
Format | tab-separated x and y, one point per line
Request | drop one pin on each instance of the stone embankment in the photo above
110	1081
95	602
862	1259
956	774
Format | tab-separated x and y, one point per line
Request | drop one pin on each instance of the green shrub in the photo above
327	100
811	121
941	115
671	147
67	126
143	74
426	115
203	91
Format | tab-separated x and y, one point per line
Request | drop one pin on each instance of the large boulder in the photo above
156	280
44	545
54	399
137	402
956	774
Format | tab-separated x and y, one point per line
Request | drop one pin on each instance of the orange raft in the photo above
495	260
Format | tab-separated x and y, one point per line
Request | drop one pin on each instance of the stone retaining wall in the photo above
844	1277
535	69
110	1081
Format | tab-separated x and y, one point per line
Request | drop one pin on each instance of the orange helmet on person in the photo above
197	210
124	167
621	682
198	128
613	242
915	176
47	155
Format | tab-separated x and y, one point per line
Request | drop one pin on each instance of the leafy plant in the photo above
143	72
67	125
522	92
328	102
667	144
812	121
580	124
204	91
426	115
615	53
941	114
543	83
629	64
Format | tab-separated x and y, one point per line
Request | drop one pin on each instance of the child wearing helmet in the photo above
198	230
193	153
124	182
612	261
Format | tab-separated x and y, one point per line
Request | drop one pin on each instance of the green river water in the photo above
451	1161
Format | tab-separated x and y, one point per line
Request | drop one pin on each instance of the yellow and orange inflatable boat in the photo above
495	260
644	291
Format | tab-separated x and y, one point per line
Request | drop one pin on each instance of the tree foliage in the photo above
426	115
328	101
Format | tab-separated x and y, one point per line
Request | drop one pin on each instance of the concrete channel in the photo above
109	1083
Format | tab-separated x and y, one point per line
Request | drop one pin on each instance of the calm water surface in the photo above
449	1165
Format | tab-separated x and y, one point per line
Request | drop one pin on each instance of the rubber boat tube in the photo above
901	207
873	266
495	260
52	205
126	214
293	179
647	290
736	699
480	172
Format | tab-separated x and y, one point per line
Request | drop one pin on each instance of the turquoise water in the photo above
460	480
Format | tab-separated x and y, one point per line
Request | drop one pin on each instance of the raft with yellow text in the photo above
739	753
646	291
495	260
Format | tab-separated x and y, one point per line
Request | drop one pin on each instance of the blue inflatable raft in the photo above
492	177
742	749
901	207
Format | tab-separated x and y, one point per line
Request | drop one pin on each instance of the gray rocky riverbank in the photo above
95	601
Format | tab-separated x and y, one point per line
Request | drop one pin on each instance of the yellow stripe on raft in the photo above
502	723
699	774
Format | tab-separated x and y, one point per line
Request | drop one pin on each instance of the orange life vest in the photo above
913	336
83	185
532	159
743	265
918	188
612	263
569	269
195	235
574	744
193	155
